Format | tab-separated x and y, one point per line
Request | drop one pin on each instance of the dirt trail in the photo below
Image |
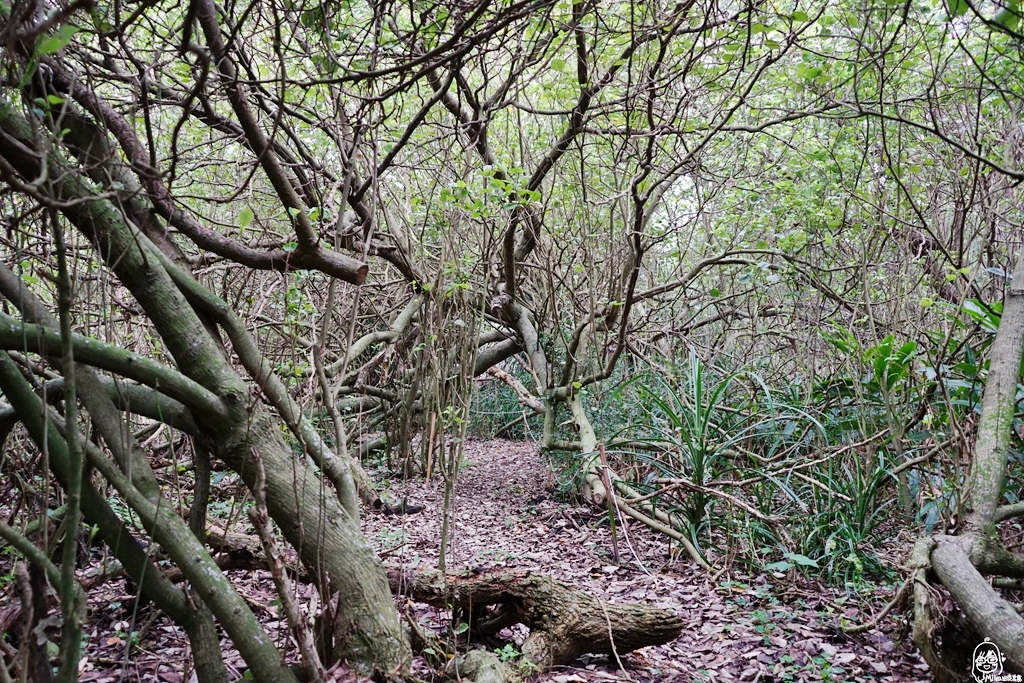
741	628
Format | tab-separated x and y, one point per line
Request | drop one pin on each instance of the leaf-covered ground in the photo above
740	627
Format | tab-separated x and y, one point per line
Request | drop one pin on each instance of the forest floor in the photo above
738	626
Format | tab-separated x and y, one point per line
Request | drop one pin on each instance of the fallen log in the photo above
564	623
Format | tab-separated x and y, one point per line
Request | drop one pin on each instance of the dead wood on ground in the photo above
564	623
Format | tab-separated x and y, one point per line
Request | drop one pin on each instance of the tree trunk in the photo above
327	539
959	562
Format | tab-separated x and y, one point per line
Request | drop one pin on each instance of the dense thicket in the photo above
737	268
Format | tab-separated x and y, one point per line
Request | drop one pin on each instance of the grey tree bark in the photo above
324	533
962	563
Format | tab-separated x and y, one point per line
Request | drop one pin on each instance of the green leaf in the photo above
461	628
245	217
557	64
958	8
311	18
778	567
54	99
1009	16
799	15
51	44
808	72
926	302
905	352
988	319
801	560
314	213
716	292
